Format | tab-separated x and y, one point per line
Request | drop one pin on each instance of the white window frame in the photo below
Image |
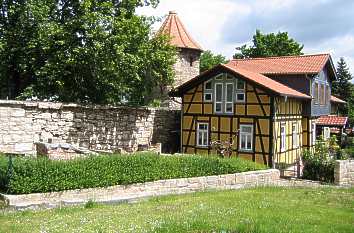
313	135
295	136
222	97
208	91
240	91
204	134
282	137
232	98
247	136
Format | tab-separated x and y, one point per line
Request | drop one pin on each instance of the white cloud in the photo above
223	25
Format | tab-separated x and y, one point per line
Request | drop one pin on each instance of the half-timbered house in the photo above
263	117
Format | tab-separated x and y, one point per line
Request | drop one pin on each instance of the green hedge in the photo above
43	175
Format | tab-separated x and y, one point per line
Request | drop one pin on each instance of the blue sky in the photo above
323	26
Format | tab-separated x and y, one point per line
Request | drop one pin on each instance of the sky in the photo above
322	26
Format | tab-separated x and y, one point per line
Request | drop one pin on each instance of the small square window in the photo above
240	97
229	108
208	97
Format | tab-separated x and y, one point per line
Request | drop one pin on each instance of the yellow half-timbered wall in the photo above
254	111
288	114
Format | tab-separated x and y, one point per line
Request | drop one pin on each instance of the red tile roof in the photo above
332	120
259	79
304	64
269	83
337	100
174	28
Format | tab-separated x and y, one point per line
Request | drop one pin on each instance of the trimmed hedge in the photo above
43	175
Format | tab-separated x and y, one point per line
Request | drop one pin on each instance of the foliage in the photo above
82	51
268	45
42	175
208	60
223	148
254	210
319	164
344	89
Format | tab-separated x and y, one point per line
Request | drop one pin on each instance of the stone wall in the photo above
101	128
344	173
149	189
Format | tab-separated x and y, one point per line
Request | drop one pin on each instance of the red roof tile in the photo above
337	100
304	64
259	79
332	120
174	28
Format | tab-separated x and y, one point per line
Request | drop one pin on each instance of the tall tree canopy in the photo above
208	60
96	51
344	89
268	45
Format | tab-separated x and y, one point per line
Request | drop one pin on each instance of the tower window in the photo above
191	61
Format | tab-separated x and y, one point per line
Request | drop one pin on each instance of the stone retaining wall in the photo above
149	189
95	127
344	172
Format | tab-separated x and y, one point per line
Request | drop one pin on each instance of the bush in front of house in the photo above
43	175
319	164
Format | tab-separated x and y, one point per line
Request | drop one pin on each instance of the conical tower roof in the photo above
180	38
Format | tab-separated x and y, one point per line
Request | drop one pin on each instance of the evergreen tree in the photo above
342	87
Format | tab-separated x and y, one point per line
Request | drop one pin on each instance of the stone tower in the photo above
189	51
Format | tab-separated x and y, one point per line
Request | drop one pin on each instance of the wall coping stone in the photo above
60	105
123	193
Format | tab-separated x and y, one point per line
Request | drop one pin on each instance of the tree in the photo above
268	45
208	60
344	89
84	51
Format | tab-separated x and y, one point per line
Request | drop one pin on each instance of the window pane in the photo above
243	142
218	90
249	142
240	97
229	107
208	86
229	92
205	137
218	107
246	129
240	84
207	97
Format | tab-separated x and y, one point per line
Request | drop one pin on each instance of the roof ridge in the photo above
280	57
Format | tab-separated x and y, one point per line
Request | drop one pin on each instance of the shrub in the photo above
43	175
319	165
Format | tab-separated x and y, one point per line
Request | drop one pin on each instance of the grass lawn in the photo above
250	210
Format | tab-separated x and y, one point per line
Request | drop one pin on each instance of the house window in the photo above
218	97
315	93
295	136
202	134
208	89
240	91
229	101
322	94
246	137
313	138
328	94
282	137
